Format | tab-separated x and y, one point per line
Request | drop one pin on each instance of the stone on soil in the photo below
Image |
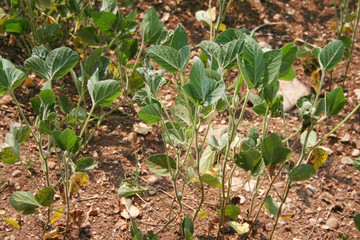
52	165
357	93
333	222
345	138
154	179
292	91
16	173
355	153
346	161
142	128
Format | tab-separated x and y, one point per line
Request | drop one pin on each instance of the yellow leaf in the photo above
222	27
57	215
317	158
286	216
81	178
203	214
12	222
52	234
2	212
315	76
239	228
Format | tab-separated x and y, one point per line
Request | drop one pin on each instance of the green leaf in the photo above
9	155
21	134
335	101
258	170
320	107
207	159
184	56
347	44
45	197
108	6
187	227
331	54
357	221
16	26
64	105
211	50
229	35
248	160
56	64
134	230
288	74
127	189
239	228
311	141
151	114
273	151
356	163
105	21
47	97
65	140
302	172
200	89
10	77
271	205
95	62
12	222
85	163
150	27
126	50
229	52
273	61
232	211
211	180
104	92
24	203
180	38
167	57
160	164
288	56
252	63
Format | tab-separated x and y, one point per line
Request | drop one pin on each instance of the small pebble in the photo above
355	153
16	173
333	222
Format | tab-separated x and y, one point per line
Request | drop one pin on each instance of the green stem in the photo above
87	120
336	128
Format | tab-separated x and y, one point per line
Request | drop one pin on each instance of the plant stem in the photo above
87	120
232	131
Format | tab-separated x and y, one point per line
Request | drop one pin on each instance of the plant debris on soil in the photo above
320	208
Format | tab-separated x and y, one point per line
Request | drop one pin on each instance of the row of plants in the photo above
191	159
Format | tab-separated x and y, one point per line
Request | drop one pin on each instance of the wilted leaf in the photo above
160	164
46	196
211	180
57	215
232	211
24	203
271	205
81	178
12	222
239	228
52	234
203	214
317	158
127	189
302	172
85	163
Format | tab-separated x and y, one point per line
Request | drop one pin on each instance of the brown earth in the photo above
320	208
